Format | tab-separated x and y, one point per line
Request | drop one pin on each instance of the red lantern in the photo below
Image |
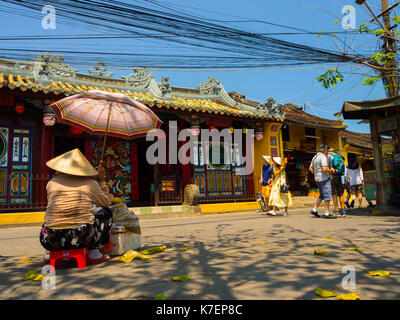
75	131
19	108
211	128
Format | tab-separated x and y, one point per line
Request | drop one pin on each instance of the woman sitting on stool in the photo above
77	214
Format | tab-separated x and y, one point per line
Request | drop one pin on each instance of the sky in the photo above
296	84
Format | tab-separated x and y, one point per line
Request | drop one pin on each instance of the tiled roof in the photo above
361	140
175	103
296	115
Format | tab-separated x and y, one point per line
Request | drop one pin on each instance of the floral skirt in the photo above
93	236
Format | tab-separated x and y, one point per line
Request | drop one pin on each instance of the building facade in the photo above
29	135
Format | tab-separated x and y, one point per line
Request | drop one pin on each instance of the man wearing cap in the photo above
77	214
266	180
320	168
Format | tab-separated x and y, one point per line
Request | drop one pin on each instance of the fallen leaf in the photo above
159	297
30	275
324	293
180	278
355	249
320	252
39	277
153	250
130	255
380	273
25	260
181	249
348	296
326	239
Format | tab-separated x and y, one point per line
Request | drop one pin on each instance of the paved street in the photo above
230	256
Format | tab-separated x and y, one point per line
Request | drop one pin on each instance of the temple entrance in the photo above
146	185
64	144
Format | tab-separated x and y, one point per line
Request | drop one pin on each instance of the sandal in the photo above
103	258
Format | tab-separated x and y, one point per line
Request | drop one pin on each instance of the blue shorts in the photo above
325	189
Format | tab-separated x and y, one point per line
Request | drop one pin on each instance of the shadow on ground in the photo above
272	262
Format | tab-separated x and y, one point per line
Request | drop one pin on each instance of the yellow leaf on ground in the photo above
25	260
39	277
130	255
355	249
153	250
181	249
30	275
324	293
348	296
380	273
320	252
326	239
181	278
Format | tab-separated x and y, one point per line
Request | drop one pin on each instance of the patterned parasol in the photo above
113	114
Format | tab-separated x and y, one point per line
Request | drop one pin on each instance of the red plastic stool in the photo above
80	255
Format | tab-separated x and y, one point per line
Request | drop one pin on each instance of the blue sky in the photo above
297	85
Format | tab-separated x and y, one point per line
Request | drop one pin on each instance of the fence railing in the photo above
249	186
12	200
23	192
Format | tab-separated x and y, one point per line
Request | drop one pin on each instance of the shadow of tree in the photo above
232	258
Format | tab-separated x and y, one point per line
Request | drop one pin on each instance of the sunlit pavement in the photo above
229	256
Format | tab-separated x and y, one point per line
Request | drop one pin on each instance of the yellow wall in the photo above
297	133
263	148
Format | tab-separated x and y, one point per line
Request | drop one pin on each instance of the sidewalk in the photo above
161	212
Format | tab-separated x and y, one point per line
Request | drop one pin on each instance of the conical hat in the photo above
72	162
267	158
278	160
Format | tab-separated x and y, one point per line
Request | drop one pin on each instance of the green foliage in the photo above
379	32
370	81
330	78
364	28
382	59
396	19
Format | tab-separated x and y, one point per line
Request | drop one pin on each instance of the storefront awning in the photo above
363	109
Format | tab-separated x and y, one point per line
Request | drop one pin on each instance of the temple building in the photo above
30	135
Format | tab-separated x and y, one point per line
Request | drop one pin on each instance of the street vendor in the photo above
77	214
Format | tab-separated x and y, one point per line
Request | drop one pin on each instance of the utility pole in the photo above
388	47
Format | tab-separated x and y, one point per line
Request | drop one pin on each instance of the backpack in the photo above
338	164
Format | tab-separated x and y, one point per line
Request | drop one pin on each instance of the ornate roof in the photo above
49	74
296	115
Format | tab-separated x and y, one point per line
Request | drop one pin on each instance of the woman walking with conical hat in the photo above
280	196
77	214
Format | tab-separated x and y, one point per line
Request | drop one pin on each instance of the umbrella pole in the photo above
105	135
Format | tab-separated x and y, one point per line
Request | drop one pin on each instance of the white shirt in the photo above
320	160
355	176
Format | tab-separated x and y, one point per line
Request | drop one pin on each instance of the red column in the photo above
45	145
134	172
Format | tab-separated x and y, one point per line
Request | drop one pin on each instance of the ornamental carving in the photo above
272	108
140	78
210	87
53	65
165	86
100	71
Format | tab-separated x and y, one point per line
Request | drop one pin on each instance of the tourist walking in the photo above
280	196
356	181
266	180
319	167
336	162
